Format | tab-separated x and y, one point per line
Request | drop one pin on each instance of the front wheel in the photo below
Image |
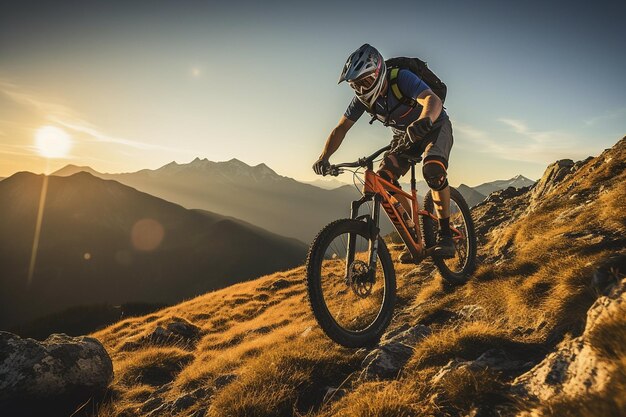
455	270
351	304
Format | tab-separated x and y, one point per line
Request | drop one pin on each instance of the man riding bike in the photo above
426	123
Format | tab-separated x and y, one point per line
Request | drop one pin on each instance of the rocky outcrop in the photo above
56	375
553	176
498	211
496	360
576	368
394	350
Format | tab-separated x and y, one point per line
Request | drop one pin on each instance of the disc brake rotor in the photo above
359	277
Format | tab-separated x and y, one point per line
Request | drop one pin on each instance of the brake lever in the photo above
333	171
336	171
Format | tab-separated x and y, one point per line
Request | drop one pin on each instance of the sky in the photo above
138	84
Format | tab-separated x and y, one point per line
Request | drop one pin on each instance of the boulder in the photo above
575	368
553	176
394	350
56	375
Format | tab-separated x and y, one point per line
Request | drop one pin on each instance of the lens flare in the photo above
147	234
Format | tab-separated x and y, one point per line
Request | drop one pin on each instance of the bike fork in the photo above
372	222
374	231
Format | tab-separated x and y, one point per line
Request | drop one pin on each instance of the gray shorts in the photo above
438	149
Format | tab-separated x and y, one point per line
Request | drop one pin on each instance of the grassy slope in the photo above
534	289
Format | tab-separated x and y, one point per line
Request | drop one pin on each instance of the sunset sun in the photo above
52	142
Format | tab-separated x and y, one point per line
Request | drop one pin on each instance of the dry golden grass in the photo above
263	334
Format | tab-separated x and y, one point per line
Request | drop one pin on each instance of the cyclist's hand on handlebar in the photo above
417	130
321	166
401	145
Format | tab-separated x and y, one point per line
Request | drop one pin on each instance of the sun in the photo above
52	142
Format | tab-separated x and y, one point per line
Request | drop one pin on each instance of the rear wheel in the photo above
352	306
455	270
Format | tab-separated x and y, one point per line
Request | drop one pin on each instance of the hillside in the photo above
104	242
253	349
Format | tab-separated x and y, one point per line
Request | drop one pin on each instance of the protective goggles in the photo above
364	83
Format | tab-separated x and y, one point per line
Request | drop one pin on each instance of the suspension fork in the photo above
372	222
374	231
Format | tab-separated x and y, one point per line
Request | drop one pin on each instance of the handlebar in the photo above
335	170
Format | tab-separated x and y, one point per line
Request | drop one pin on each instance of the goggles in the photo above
364	83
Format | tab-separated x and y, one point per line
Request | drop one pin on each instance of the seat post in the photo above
413	182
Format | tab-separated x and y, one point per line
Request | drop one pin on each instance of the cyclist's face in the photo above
364	83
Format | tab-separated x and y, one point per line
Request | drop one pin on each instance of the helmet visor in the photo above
364	83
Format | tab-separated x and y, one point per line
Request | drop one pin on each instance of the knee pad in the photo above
435	175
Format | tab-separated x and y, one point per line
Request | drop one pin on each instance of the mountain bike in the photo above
351	279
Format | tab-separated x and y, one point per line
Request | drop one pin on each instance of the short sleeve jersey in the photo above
410	85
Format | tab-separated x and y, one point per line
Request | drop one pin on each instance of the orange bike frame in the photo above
376	185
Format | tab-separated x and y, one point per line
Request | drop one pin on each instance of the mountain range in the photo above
519	181
104	242
257	194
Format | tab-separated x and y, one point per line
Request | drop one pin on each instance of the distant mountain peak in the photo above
263	169
71	169
235	161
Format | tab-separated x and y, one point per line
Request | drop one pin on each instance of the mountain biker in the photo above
412	127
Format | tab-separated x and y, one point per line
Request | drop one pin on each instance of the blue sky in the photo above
139	84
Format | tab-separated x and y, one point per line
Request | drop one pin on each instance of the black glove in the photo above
400	145
417	130
321	166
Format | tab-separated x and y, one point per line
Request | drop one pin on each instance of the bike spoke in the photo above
354	306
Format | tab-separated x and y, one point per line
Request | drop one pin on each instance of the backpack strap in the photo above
397	92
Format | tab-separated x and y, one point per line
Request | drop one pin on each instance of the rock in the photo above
575	369
553	176
56	375
493	360
500	209
395	349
